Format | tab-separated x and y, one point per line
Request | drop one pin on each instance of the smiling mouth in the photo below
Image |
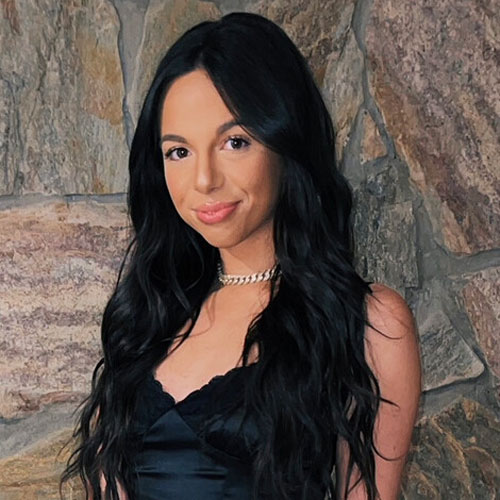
213	216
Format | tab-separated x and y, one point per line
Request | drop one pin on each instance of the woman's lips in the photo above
211	216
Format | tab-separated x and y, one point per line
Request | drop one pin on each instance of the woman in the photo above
213	386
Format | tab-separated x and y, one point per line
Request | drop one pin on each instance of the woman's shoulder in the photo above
391	340
386	308
385	292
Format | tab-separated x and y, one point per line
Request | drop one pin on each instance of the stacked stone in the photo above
413	89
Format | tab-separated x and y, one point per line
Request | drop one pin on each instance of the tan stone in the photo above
344	91
102	79
34	473
444	463
318	37
433	74
58	266
61	94
328	44
11	15
372	146
164	22
482	303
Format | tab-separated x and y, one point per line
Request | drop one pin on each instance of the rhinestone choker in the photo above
242	279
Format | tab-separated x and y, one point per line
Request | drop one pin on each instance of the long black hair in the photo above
311	384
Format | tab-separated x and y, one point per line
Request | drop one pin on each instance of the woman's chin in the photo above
220	242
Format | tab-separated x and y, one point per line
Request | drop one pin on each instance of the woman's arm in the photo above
395	362
121	494
102	481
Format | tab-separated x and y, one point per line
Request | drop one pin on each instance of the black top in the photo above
199	448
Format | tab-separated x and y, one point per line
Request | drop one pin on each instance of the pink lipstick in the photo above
215	212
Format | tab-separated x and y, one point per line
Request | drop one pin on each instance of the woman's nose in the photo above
207	175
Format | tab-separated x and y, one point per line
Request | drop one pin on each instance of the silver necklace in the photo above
242	279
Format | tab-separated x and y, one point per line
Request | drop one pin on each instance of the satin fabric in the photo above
180	458
200	448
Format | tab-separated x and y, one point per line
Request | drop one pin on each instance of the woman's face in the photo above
222	182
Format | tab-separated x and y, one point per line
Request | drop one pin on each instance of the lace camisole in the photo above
199	448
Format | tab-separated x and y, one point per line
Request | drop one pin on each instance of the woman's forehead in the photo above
193	102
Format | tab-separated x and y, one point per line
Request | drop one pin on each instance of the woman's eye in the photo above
176	154
237	142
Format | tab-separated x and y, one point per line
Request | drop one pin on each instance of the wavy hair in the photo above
311	384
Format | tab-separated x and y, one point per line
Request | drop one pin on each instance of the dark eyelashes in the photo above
169	152
245	141
237	138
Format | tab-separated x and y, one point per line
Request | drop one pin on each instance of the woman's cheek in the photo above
176	190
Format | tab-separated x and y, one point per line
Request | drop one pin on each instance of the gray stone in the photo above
21	434
384	255
61	94
383	213
327	42
164	22
343	90
446	357
131	14
226	6
434	74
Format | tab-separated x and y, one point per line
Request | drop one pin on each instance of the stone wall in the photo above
413	88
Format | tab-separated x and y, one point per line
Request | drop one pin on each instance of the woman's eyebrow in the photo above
220	130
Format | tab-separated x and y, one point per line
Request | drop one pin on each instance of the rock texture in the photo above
343	85
413	89
482	303
58	265
372	146
456	455
327	41
61	93
164	22
34	473
435	75
446	356
384	211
